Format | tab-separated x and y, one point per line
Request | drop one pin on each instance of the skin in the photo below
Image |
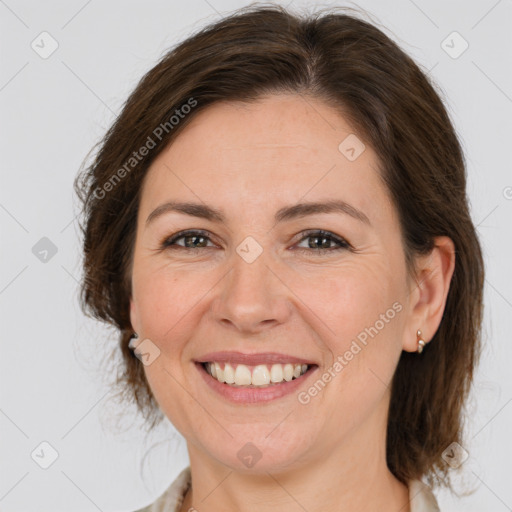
249	160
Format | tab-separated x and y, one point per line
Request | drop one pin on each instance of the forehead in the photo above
275	125
274	151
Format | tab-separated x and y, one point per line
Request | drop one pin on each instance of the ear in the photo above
428	292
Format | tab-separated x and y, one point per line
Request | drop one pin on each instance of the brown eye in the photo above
321	242
193	239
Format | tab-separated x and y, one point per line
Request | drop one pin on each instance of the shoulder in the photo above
422	498
172	498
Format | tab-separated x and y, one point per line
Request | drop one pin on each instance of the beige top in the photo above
421	496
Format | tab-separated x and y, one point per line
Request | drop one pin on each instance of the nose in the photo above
252	297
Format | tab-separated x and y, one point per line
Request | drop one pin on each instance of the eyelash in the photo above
343	244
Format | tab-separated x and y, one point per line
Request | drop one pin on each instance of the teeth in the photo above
288	372
260	375
229	374
276	373
242	375
217	372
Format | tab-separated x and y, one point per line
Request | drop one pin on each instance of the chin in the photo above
259	450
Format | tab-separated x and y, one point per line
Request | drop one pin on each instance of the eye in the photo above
193	239
321	241
198	239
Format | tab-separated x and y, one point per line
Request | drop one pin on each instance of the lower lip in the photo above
243	395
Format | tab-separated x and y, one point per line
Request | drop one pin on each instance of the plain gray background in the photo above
54	109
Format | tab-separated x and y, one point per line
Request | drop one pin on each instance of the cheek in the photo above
358	308
350	298
163	298
165	302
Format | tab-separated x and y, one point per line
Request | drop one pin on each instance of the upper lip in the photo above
251	359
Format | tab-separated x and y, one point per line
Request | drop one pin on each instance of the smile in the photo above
260	375
240	383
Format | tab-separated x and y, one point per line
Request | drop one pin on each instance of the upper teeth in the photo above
259	375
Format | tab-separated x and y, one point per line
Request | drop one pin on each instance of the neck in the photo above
351	476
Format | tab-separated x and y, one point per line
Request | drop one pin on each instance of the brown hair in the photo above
355	68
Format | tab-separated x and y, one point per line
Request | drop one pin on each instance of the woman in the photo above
277	224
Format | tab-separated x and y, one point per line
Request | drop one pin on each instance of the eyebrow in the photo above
286	213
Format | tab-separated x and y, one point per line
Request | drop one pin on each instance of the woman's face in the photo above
255	284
